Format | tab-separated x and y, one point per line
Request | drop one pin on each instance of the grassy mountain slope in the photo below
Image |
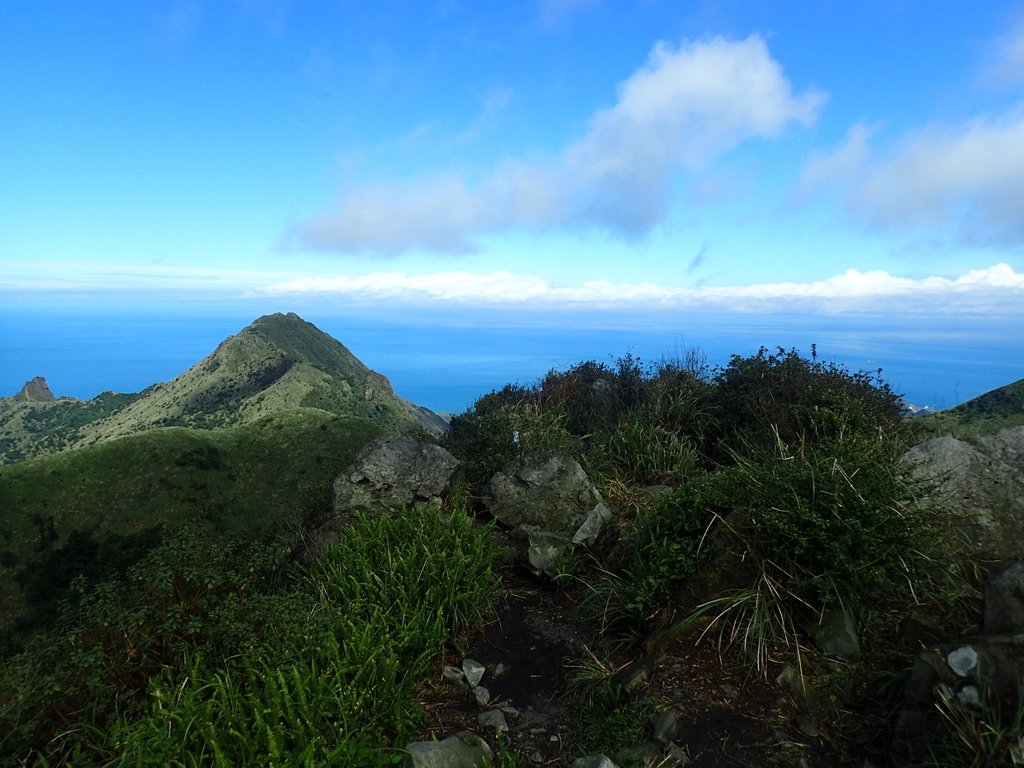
990	412
30	428
278	363
259	479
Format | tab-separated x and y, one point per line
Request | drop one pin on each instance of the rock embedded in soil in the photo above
463	750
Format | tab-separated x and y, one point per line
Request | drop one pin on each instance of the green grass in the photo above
261	479
194	660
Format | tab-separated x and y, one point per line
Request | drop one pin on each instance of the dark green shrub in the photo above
668	546
765	398
191	593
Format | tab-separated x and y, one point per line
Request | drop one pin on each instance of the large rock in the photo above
546	490
390	474
550	503
393	473
463	750
981	481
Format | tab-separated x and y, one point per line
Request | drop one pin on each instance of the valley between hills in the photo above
273	559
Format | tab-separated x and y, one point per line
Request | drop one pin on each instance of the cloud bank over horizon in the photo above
687	106
994	289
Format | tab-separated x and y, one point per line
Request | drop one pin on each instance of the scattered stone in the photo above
665	728
453	675
463	750
481	694
789	677
643	754
594	761
536	757
963	660
493	719
834	633
730	690
634	676
808	725
676	757
1004	598
474	672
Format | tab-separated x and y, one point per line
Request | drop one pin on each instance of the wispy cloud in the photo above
687	106
994	288
1005	63
966	179
555	12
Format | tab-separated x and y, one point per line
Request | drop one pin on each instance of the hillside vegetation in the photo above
93	510
153	624
277	363
987	413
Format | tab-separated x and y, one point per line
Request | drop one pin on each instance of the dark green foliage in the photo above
86	555
194	660
669	545
786	397
261	479
833	521
190	594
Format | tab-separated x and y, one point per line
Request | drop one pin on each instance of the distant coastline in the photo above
445	363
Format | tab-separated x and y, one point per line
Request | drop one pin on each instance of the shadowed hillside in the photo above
987	413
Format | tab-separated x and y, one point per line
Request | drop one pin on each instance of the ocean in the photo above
446	361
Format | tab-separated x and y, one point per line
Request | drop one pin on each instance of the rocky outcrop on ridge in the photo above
36	390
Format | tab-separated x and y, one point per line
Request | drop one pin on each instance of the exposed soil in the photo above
537	643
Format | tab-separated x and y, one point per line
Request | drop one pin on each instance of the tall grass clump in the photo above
195	660
384	600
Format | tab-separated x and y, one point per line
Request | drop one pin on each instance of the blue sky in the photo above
649	155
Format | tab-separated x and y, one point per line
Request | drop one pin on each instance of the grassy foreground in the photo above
193	660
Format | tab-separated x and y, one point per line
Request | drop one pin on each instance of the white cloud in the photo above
965	179
987	290
683	109
1005	65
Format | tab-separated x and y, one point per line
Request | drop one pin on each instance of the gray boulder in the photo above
979	481
549	491
463	750
550	504
393	473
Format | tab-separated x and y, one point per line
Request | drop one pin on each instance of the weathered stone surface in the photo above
391	473
493	719
463	750
979	480
834	632
548	491
1004	598
474	672
992	664
36	390
549	502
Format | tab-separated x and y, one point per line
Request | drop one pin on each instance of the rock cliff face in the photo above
36	390
980	480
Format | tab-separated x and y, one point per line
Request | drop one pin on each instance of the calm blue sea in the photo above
445	362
